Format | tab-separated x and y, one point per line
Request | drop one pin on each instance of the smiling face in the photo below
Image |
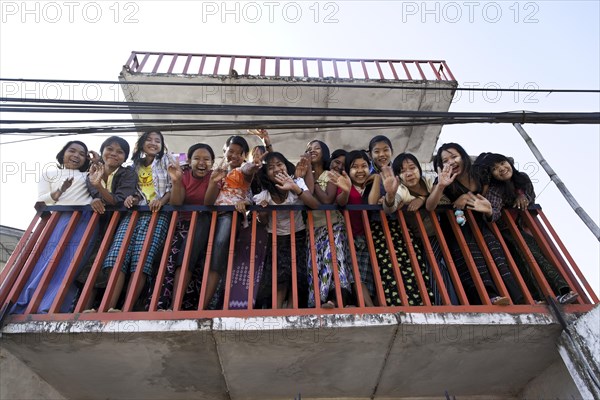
409	174
453	158
201	162
113	155
381	153
359	171
337	164
275	167
74	157
152	145
502	171
234	153
315	152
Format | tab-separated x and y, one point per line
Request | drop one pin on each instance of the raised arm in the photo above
344	185
177	190
445	178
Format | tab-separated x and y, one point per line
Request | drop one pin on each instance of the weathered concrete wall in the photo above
19	382
554	383
379	356
579	347
419	140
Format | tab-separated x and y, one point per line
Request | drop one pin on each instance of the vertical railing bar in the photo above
408	75
539	276
86	293
160	276
229	271
157	64
277	62
591	295
201	68
334	260
391	64
364	68
262	66
187	64
373	257
355	268
466	252
320	67
274	259
172	65
305	67
462	296
491	265
19	254
135	278
184	272
448	70
435	268
381	75
57	255
413	260
247	66
418	64
394	259
232	65
110	286
252	265
313	258
350	69
72	270
209	251
143	64
335	69
294	261
130	61
32	260
216	68
437	75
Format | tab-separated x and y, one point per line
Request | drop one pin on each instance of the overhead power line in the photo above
323	82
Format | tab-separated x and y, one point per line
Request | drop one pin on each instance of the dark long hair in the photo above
197	146
118	140
263	178
60	157
325	153
139	146
240	141
519	181
399	160
453	190
355	155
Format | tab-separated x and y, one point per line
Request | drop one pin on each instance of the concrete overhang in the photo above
365	356
408	95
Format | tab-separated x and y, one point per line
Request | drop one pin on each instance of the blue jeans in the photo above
220	249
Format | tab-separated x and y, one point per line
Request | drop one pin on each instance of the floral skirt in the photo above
386	268
324	260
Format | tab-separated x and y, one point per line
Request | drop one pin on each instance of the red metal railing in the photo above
287	67
33	243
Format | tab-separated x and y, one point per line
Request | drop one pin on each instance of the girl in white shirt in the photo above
64	185
281	188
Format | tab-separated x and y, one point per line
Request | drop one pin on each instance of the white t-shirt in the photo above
53	178
283	217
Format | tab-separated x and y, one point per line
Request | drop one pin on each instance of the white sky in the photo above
544	44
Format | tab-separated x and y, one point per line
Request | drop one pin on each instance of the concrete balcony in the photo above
471	349
308	91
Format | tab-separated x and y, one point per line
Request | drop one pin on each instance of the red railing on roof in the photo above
288	67
21	264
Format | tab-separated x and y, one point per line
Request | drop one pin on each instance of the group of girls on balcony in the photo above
320	177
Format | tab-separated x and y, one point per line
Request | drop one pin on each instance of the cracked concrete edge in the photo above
269	323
